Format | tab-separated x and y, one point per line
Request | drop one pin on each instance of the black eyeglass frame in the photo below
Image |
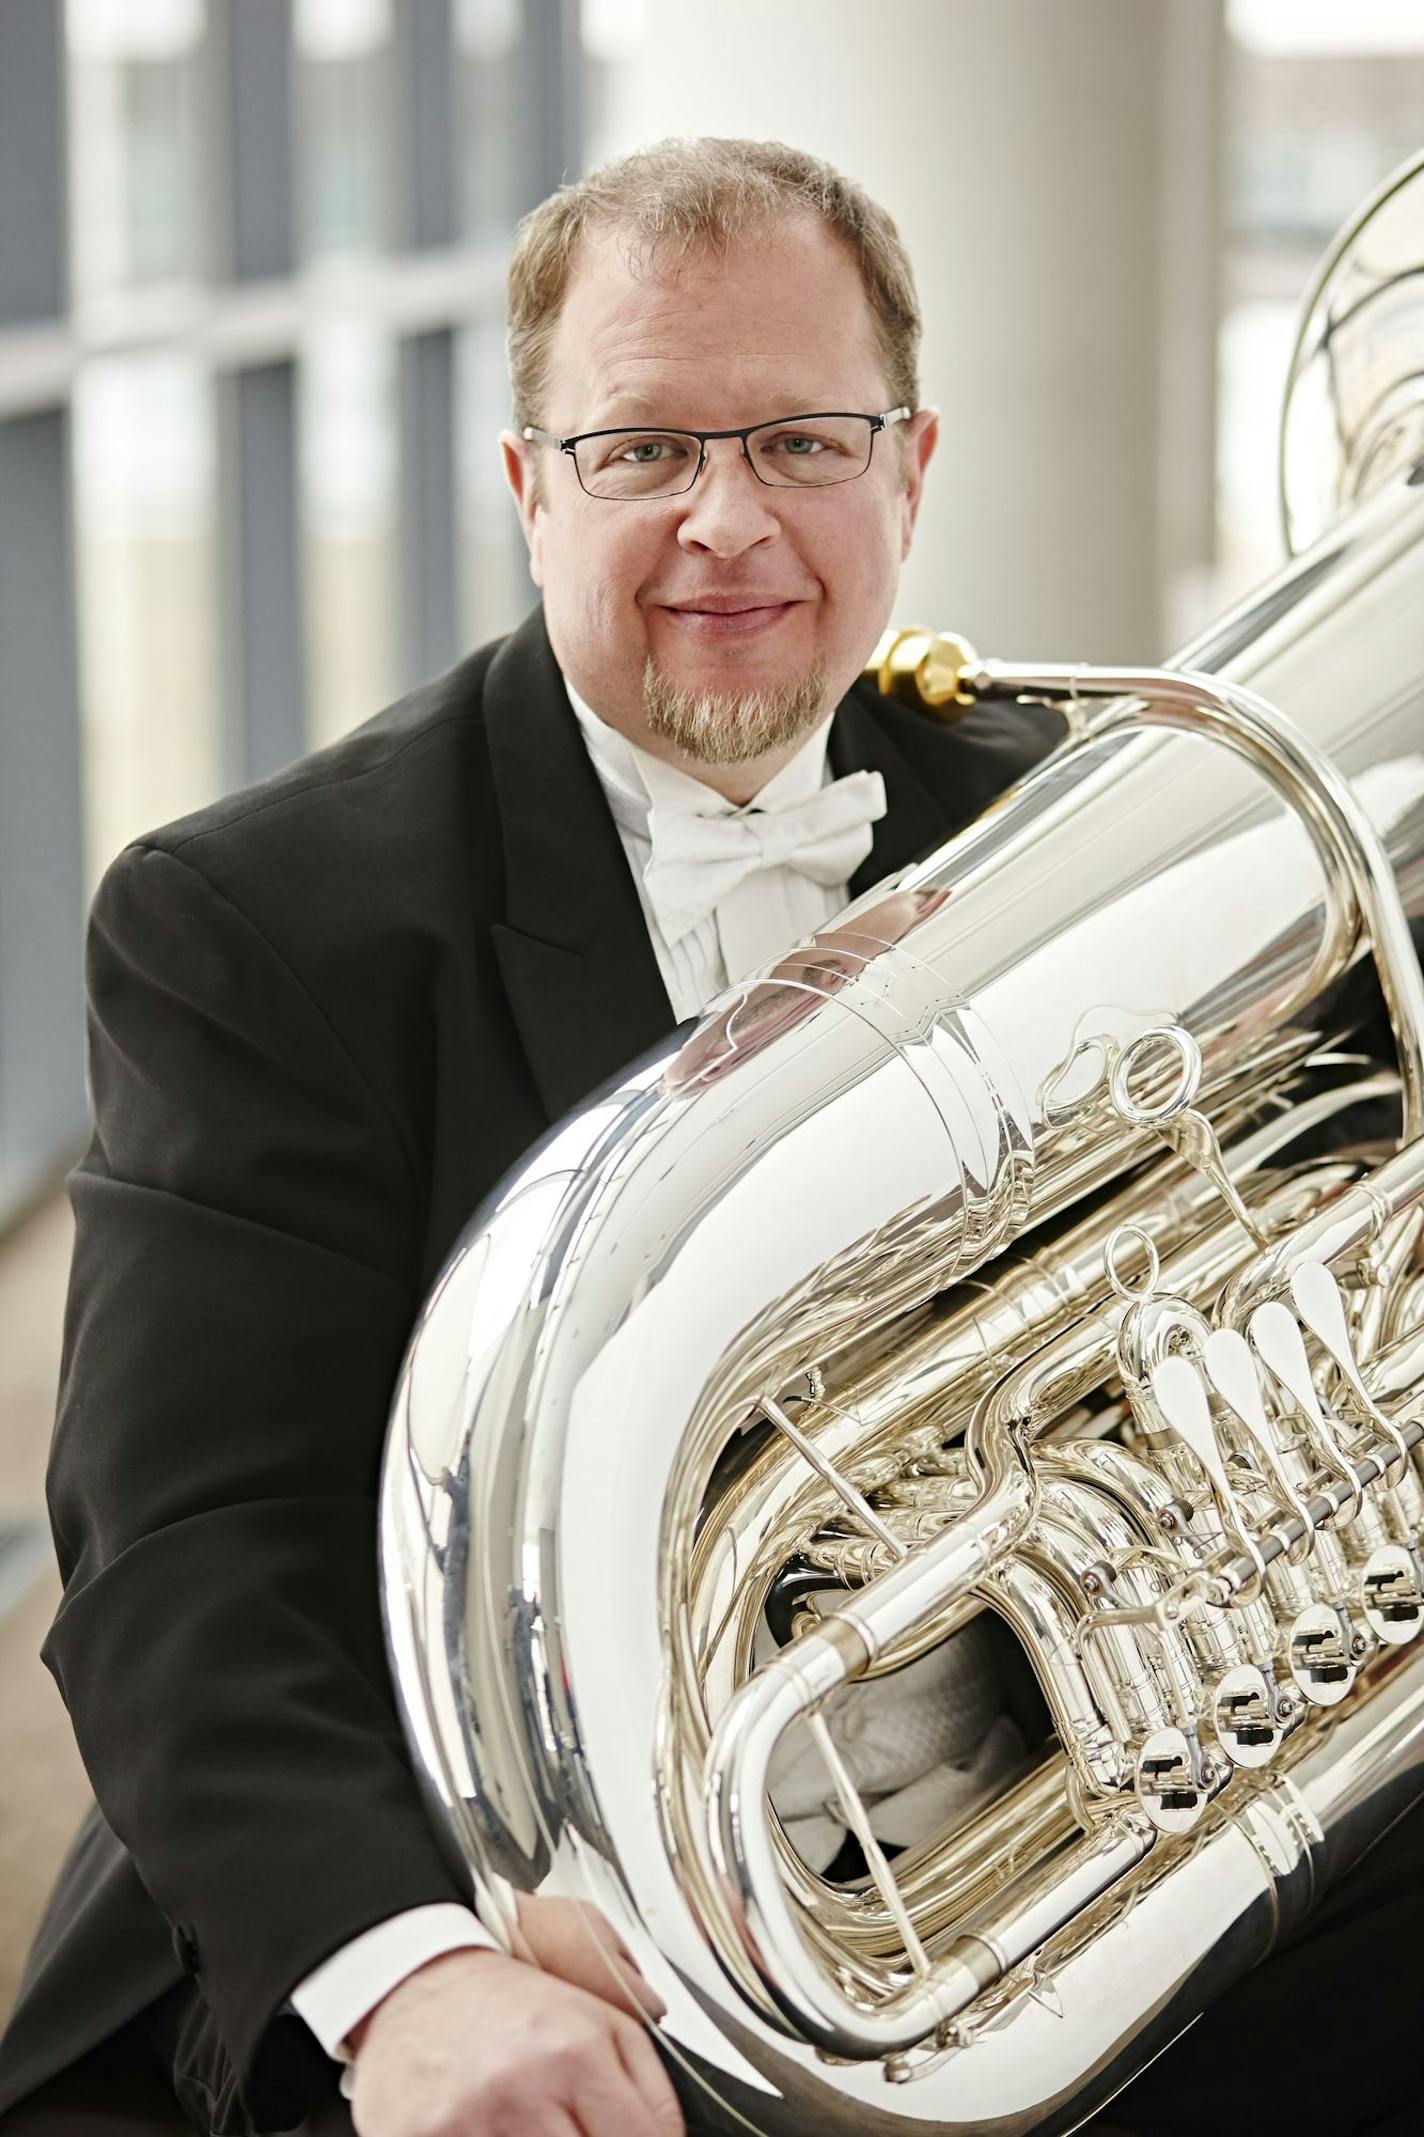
891	416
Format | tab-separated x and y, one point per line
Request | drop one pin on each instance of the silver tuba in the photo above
1035	1253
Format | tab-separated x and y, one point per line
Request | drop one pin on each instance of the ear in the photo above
921	438
519	472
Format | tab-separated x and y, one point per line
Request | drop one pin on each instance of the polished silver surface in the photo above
689	1345
1353	414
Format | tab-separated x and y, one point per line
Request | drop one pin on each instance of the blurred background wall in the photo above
252	372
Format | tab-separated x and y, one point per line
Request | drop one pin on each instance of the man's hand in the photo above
577	1942
477	2045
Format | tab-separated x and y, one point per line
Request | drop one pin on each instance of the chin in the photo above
730	714
735	679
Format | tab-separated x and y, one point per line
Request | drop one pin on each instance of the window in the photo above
1325	101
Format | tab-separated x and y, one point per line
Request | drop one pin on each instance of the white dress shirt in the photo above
753	924
768	910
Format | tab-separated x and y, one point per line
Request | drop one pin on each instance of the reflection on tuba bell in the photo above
1032	1261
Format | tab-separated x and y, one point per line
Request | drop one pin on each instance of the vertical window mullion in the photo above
261	587
427	515
42	1104
263	655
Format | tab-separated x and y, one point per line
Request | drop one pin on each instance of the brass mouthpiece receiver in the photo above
926	668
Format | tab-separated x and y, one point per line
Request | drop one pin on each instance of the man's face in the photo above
637	592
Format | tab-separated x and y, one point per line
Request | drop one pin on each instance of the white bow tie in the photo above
697	860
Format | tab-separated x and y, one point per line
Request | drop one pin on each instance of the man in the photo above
327	1015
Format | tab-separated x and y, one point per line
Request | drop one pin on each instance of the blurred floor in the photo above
43	1791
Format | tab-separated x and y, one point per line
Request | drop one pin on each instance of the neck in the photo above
738	783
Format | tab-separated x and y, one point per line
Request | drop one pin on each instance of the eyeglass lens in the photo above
659	463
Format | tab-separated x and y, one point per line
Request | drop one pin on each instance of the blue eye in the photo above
642	451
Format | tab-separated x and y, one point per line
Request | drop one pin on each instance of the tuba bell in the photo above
1031	1260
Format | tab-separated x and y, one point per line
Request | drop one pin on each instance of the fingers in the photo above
607	2103
483	2045
644	2066
582	2089
575	1941
633	1995
628	1985
609	2078
633	1991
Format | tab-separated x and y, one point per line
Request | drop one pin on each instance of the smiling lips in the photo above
723	616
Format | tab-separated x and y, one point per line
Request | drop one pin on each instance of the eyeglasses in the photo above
791	453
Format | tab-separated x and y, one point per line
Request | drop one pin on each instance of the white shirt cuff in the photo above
338	1994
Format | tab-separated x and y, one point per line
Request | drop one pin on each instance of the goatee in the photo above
729	726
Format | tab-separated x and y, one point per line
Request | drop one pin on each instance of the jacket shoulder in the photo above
969	760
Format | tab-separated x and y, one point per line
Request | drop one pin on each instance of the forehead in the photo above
777	322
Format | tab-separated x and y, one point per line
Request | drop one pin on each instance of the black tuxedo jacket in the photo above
327	1014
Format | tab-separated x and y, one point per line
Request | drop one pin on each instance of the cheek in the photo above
595	571
604	562
855	557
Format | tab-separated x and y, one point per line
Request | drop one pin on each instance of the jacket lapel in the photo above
579	971
913	818
578	968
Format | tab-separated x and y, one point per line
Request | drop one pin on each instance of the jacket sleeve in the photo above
240	1298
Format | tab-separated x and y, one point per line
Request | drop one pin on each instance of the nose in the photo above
727	510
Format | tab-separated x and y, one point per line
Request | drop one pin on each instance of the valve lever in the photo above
1181	1396
1193	1137
1280	1346
1232	1372
1321	1306
1182	1127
